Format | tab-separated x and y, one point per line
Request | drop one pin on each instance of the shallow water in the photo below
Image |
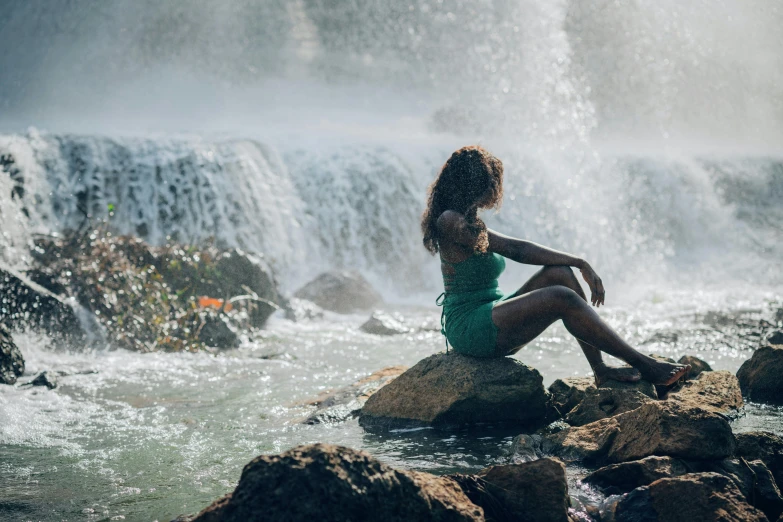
150	436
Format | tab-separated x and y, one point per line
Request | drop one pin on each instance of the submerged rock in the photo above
605	402
760	376
11	360
333	483
691	497
697	365
535	491
660	428
301	310
45	378
381	323
346	403
453	389
764	446
340	291
617	479
714	391
568	392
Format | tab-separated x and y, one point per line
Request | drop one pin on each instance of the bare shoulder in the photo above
450	222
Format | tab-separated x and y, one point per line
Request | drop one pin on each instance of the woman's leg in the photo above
521	319
559	275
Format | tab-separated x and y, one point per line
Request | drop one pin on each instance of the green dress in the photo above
470	293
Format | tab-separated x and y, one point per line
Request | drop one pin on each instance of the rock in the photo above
346	403
535	491
764	446
660	428
381	323
11	360
688	498
526	448
760	376
753	479
332	483
776	337
340	291
644	387
453	389
568	392
617	479
240	273
697	365
45	378
28	305
215	332
605	402
714	391
301	310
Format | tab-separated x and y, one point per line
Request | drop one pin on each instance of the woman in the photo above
479	320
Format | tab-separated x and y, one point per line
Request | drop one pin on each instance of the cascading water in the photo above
642	136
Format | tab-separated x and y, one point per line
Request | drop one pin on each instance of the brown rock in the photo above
332	483
671	429
447	390
641	386
617	479
589	443
765	446
534	491
760	376
697	365
688	498
568	392
714	391
340	291
605	402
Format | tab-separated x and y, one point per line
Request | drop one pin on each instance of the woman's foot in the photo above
605	373
662	373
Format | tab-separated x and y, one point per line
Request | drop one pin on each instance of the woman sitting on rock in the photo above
479	320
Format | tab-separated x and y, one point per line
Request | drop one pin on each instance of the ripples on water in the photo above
151	436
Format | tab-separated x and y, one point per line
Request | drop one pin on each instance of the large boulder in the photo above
26	304
764	446
453	389
568	392
332	483
340	291
660	428
605	402
760	376
345	403
624	477
714	391
534	491
11	361
691	497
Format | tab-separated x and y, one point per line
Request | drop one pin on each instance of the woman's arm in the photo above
530	253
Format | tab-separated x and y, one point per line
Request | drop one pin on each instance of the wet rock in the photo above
11	360
381	323
660	428
753	479
714	391
346	403
617	479
332	483
760	376
568	392
215	332
605	402
697	365
526	448
776	337
691	497
453	389
644	387
45	378
298	310
533	491
29	305
239	272
340	291
764	446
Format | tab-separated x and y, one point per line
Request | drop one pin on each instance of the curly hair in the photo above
471	179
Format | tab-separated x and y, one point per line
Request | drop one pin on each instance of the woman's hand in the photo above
597	293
